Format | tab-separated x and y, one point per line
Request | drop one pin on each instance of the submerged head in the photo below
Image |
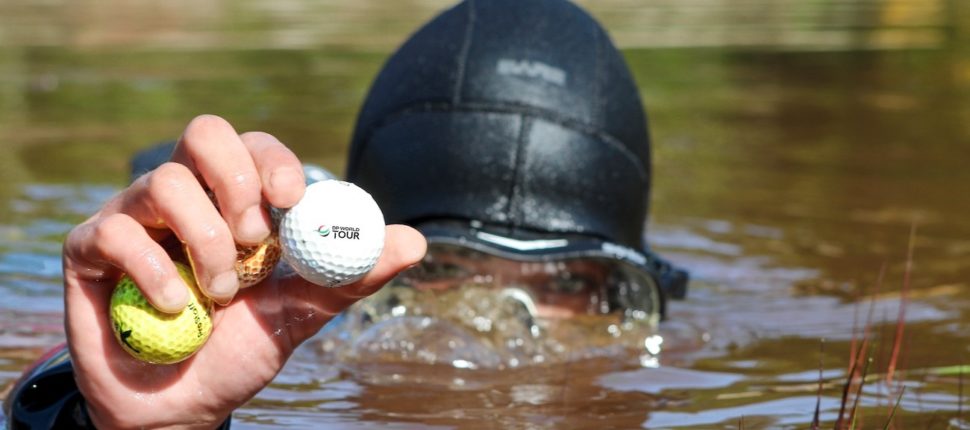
511	133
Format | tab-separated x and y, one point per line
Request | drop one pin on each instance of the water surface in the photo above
788	170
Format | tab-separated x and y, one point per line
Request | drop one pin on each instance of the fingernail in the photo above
223	287
285	178
252	227
286	184
175	295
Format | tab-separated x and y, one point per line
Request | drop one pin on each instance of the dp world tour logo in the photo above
339	232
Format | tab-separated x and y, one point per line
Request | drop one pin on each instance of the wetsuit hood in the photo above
518	118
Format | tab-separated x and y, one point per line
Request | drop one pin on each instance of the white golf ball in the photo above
334	235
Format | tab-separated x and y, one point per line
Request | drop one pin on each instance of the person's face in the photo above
473	307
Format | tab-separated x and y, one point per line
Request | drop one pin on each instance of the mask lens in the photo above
558	288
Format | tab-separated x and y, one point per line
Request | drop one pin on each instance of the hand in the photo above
254	332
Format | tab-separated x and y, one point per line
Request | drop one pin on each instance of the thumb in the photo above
403	248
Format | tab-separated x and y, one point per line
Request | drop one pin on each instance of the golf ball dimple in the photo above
154	336
334	235
255	263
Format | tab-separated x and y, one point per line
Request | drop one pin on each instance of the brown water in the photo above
791	161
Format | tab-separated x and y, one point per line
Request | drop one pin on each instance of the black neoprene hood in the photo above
518	114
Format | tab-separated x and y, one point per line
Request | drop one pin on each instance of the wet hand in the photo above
255	330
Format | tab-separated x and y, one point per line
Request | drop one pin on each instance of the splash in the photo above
480	327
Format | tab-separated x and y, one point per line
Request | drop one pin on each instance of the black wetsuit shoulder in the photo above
47	397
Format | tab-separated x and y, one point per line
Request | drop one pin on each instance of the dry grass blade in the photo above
903	299
845	396
853	415
854	353
850	378
818	395
960	393
892	413
867	328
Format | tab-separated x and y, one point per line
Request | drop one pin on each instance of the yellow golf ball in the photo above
157	337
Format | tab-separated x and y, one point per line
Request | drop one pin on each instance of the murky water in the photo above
785	178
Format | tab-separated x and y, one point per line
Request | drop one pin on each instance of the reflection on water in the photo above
785	177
